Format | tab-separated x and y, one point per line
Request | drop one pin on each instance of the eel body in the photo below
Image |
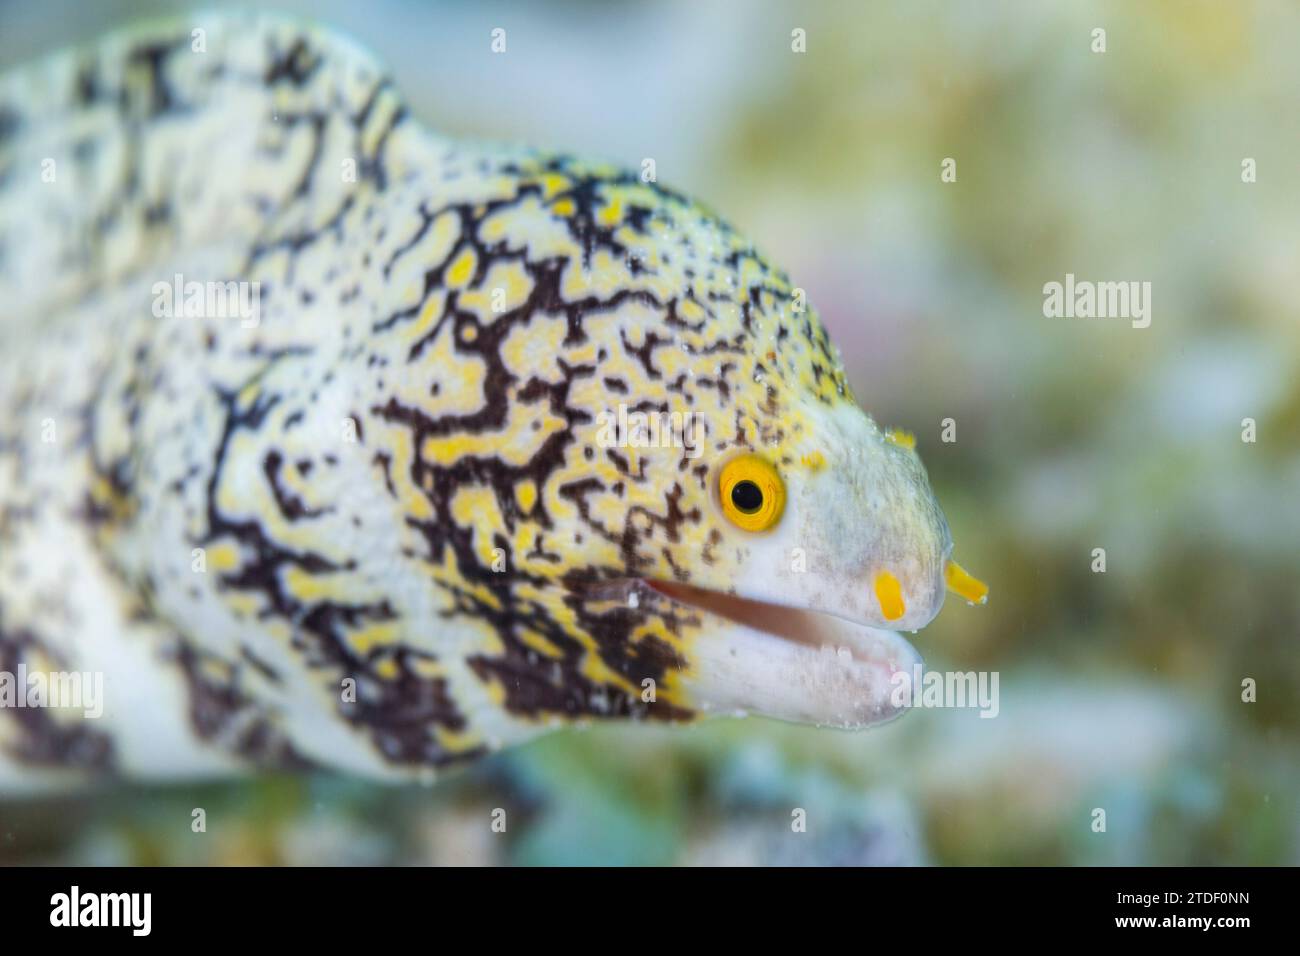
331	441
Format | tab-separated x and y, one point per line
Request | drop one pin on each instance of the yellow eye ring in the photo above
751	492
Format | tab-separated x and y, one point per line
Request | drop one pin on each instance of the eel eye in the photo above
752	493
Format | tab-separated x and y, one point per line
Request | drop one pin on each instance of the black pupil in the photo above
746	496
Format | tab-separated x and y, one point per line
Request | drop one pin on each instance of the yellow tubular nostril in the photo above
964	585
890	596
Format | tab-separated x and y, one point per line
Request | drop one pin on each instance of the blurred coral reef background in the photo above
1119	690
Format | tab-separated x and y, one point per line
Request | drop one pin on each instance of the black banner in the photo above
921	905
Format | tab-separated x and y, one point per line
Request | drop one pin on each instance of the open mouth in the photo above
811	628
788	663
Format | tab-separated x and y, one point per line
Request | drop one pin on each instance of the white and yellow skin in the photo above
382	530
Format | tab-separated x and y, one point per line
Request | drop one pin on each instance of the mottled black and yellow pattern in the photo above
379	530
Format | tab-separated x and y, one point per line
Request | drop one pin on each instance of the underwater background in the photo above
1120	690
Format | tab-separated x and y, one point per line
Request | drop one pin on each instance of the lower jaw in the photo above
790	664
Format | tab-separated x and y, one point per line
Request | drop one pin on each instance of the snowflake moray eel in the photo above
379	495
